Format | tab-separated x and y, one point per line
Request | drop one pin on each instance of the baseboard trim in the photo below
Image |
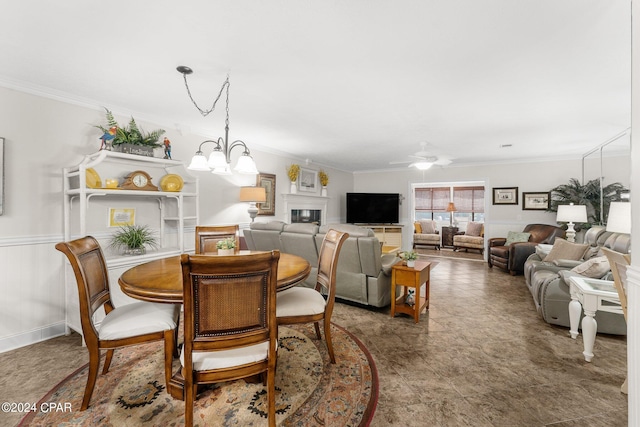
31	337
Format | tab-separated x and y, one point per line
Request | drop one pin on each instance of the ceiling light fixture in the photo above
220	159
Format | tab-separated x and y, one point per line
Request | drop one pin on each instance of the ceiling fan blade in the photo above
400	162
443	161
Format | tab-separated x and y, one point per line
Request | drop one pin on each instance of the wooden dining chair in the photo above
306	305
230	329
618	263
127	325
207	237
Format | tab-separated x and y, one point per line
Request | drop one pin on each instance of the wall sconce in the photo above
570	214
253	195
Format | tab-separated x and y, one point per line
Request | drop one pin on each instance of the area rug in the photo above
450	253
310	390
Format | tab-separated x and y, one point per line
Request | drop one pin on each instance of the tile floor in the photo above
481	356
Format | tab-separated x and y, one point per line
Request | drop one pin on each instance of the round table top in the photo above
161	280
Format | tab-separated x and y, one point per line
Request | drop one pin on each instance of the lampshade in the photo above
572	213
253	194
217	159
246	165
423	166
451	207
199	163
619	219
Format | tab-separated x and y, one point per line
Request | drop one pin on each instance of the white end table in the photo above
591	295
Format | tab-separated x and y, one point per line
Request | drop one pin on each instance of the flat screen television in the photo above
373	208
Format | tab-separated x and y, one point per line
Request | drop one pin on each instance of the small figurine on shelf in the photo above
411	298
167	148
108	136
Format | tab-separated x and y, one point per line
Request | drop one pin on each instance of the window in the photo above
431	203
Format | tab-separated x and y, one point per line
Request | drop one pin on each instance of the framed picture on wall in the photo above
307	180
268	181
505	195
538	201
122	217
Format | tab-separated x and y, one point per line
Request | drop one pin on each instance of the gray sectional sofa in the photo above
549	282
364	273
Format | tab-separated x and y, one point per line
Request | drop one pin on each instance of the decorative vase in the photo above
323	193
226	252
135	251
294	189
411	263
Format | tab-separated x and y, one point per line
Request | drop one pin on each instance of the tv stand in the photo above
389	234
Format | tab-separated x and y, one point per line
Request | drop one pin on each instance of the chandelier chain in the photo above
205	113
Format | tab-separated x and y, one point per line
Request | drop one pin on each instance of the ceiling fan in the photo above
424	159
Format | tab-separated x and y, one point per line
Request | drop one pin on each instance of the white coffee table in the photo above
591	295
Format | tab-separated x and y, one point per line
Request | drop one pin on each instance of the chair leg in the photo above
169	351
317	326
327	337
189	395
271	397
94	365
176	347
107	361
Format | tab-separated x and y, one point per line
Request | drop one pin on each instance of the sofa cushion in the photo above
516	236
594	268
428	227
474	229
563	249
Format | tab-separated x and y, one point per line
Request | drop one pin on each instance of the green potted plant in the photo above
409	257
226	246
130	138
133	239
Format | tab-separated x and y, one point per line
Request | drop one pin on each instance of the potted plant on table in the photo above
133	240
226	246
409	257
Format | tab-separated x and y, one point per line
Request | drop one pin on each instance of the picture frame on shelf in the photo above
120	217
536	201
308	180
268	181
505	195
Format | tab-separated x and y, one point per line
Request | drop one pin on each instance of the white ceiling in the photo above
351	84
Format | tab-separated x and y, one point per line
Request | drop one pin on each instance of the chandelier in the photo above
219	161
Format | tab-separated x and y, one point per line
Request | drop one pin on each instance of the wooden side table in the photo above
410	277
447	236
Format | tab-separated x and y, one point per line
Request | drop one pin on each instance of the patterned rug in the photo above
310	391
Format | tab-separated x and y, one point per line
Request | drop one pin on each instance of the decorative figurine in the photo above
411	299
167	148
108	136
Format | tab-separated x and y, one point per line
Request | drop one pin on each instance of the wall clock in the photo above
138	180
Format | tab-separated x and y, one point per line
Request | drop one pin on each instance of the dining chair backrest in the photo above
92	278
328	266
207	237
229	301
618	263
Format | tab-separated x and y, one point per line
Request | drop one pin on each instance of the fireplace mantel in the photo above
301	201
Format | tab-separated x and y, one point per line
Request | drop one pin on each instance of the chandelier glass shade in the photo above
219	161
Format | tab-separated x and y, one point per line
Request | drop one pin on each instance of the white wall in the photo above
499	219
44	135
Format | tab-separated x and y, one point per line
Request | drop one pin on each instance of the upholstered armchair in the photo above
472	238
510	253
425	234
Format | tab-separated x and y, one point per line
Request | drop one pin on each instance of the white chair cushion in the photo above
138	319
299	301
208	360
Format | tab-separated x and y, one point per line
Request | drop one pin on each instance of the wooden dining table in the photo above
161	280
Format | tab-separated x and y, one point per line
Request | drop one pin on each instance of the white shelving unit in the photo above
86	212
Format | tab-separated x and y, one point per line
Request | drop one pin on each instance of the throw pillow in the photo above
516	236
566	250
418	227
428	227
474	229
594	268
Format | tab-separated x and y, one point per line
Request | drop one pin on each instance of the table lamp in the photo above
253	195
451	208
619	219
571	214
